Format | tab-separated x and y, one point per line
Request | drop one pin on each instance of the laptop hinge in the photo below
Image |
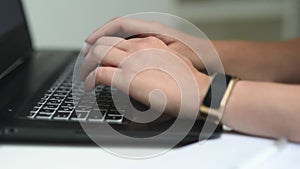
12	67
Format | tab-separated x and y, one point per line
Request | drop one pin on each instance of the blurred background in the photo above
66	23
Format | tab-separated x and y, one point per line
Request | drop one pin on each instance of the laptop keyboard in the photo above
62	102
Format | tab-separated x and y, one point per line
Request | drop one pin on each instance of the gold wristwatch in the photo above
217	96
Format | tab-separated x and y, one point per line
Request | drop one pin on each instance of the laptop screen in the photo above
14	37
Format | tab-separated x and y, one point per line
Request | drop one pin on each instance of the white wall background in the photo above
66	23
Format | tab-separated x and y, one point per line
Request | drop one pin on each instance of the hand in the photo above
140	66
184	44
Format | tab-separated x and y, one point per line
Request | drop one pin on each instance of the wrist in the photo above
234	104
203	82
214	101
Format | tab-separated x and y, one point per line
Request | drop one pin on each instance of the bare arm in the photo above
265	61
264	109
269	61
259	108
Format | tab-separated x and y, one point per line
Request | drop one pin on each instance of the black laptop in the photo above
37	103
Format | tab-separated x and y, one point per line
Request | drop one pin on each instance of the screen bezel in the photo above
15	45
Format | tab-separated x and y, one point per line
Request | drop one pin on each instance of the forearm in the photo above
269	61
264	109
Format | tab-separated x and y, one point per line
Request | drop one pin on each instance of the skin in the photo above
111	52
264	103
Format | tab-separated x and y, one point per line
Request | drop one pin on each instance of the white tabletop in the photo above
230	151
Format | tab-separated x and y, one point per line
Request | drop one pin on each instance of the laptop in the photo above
37	103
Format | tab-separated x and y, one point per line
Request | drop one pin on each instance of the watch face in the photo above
216	90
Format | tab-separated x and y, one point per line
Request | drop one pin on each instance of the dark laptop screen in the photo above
14	36
10	15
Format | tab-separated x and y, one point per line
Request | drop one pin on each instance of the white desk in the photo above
226	152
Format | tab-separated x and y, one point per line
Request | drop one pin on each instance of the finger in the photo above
118	42
104	55
123	27
115	18
113	58
86	49
166	39
108	41
101	75
94	53
145	43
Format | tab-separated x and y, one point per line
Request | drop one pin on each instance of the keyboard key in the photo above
95	116
50	103
63	90
39	105
77	92
42	101
61	115
46	111
49	92
50	107
57	98
85	102
68	101
64	87
35	109
79	115
64	108
75	97
45	97
113	118
64	104
31	114
60	94
116	111
83	107
105	101
43	116
66	84
103	107
54	102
